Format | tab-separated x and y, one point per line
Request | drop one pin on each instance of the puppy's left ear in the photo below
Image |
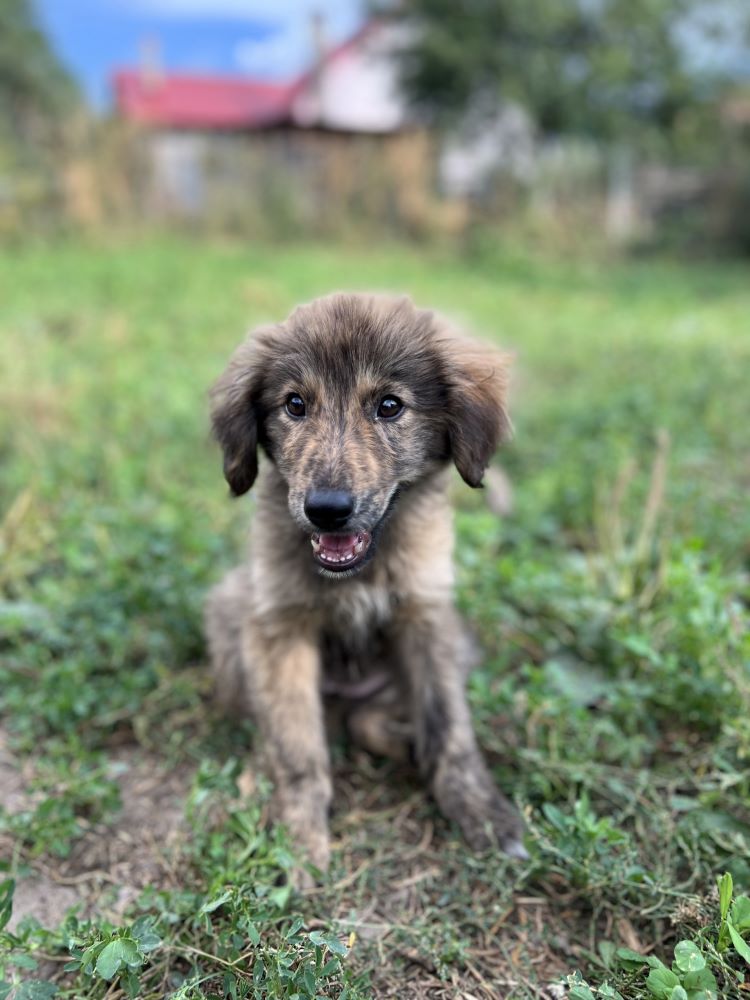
478	418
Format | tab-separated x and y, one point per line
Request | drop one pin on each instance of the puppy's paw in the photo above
515	849
311	845
314	852
302	879
485	817
316	848
494	823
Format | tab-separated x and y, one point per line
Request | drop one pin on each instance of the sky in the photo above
268	39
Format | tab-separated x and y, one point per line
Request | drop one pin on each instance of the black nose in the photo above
329	509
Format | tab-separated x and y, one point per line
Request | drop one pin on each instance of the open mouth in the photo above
340	552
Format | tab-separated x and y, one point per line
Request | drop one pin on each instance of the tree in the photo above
610	69
35	89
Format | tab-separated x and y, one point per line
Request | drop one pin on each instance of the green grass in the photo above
613	699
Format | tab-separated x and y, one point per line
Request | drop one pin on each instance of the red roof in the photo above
183	101
215	102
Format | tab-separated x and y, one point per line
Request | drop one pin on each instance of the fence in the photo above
289	182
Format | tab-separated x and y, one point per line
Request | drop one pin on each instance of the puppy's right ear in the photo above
236	416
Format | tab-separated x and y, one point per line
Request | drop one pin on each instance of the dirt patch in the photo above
111	863
432	921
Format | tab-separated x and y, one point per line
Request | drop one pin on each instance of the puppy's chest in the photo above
354	611
357	653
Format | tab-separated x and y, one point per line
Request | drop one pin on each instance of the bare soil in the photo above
111	863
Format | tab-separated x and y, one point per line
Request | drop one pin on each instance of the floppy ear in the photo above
235	415
478	419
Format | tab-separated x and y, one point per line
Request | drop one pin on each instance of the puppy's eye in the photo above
295	405
389	407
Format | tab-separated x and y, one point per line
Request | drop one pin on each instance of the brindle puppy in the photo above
360	403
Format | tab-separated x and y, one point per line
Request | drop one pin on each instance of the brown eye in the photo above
389	407
295	405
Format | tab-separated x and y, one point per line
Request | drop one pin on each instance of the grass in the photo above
613	700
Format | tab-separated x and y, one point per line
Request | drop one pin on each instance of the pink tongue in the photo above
338	544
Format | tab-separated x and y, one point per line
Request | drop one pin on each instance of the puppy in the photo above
360	403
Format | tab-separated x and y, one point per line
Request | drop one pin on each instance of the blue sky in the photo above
269	39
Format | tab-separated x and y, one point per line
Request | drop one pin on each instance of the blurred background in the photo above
625	122
569	178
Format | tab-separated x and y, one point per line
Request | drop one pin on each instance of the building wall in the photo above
357	90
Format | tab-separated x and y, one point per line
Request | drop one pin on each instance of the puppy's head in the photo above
355	398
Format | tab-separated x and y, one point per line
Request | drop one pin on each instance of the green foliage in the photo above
114	954
227	927
613	696
688	978
74	793
38	101
698	966
619	69
735	919
33	83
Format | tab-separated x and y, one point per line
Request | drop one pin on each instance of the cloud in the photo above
274	56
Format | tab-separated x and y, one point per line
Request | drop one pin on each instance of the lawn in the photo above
613	699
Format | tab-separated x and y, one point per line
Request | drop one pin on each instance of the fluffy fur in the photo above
382	638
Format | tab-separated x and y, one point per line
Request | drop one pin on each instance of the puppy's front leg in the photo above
289	713
446	748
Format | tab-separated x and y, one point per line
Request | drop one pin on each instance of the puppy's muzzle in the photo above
334	548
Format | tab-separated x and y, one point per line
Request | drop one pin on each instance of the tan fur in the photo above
281	631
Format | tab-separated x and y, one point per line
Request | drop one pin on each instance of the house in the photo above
352	87
338	139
